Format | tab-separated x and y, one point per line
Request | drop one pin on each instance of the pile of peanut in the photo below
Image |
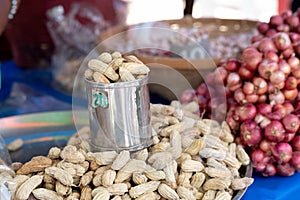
190	158
110	68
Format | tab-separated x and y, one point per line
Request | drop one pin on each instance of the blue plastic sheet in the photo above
274	188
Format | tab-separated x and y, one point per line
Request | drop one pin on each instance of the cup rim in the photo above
134	83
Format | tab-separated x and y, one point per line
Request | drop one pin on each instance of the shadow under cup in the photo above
119	115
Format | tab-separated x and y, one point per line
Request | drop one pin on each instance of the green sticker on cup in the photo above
100	99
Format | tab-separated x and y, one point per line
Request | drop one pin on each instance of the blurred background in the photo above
28	31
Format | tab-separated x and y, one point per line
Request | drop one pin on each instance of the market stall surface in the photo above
41	97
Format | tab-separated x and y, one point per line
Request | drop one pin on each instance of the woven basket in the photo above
164	79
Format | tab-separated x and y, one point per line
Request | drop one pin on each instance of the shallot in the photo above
295	161
282	152
274	131
296	143
285	169
291	123
263	95
250	133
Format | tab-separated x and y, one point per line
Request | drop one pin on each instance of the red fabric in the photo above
27	33
283	5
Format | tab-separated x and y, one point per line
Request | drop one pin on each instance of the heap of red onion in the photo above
263	95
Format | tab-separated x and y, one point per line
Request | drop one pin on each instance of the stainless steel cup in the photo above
119	115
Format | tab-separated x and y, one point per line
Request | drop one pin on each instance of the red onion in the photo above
275	20
280	108
245	73
222	111
215	102
266	68
279	86
233	124
296	103
260	167
188	96
274	131
248	88
297	47
264	108
202	101
235	87
296	73
262	98
270	33
252	98
277	115
260	85
267	45
283	28
210	92
287	53
233	79
219	78
250	133
289	108
291	123
232	65
233	105
297	109
272	88
222	74
263	27
288	137
256	38
202	89
293	21
285	14
277	77
237	140
296	143
285	169
291	83
297	29
295	37
294	63
290	94
271	55
262	92
295	161
228	92
239	96
282	41
270	170
282	152
265	146
251	58
258	156
246	112
284	67
277	98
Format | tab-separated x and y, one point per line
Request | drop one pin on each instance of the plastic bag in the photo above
74	35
